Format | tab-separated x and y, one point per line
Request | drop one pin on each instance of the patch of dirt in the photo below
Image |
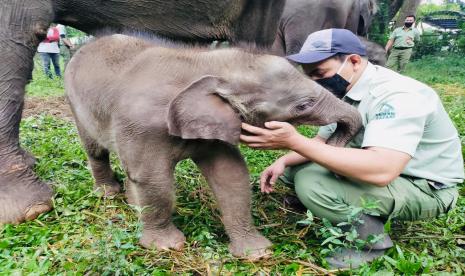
450	89
55	106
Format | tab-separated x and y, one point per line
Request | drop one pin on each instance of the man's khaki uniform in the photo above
404	40
400	114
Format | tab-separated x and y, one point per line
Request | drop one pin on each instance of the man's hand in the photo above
389	45
270	175
277	135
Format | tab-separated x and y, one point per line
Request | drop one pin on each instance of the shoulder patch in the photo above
386	111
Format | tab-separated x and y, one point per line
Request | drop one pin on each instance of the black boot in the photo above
353	258
293	202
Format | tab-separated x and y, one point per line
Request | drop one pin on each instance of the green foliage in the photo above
426	9
379	29
410	264
42	86
441	69
434	43
72	32
344	234
430	44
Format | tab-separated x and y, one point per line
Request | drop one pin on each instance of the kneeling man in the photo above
408	156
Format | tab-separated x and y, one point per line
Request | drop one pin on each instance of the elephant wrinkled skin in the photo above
24	23
156	103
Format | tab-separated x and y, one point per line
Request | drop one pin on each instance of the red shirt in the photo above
53	35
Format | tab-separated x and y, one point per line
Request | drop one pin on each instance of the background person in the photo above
400	43
49	51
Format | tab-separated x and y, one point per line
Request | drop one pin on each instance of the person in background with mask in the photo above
407	158
401	43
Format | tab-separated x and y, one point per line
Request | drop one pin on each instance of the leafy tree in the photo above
72	32
426	9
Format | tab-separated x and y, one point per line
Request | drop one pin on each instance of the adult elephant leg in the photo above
22	23
227	174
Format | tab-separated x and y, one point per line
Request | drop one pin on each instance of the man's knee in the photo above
316	188
290	172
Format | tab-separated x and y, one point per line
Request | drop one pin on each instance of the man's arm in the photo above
389	45
293	158
67	42
391	41
374	165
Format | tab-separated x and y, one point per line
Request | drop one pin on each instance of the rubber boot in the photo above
353	258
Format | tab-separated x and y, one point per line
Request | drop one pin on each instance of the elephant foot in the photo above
108	188
170	238
252	247
23	196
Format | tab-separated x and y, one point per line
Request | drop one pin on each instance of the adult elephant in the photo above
23	23
303	17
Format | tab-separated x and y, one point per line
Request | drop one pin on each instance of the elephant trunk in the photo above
347	117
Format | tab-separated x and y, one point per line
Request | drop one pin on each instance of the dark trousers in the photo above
55	58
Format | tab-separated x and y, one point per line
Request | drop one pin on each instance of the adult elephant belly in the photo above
234	20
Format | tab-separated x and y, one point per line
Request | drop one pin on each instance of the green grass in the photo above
439	70
42	86
85	234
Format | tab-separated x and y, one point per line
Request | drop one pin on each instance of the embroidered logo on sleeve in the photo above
386	111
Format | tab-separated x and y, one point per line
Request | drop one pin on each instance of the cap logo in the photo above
319	44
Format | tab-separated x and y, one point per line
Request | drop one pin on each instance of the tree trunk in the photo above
394	7
409	7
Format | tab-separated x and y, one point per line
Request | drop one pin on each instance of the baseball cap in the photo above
324	44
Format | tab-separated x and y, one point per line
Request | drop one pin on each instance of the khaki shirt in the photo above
405	38
405	115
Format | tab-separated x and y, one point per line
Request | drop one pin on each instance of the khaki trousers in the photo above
332	197
398	59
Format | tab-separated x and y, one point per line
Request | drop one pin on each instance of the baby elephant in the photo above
155	103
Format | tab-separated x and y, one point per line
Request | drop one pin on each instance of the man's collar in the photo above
361	87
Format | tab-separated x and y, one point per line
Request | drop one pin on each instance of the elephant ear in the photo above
199	112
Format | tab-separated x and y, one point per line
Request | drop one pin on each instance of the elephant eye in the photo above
305	105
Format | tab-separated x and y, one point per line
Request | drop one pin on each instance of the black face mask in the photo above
408	24
335	84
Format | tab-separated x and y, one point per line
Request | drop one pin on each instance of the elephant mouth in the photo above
306	121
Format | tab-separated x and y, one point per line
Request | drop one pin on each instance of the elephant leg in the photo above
226	172
99	160
22	23
150	185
